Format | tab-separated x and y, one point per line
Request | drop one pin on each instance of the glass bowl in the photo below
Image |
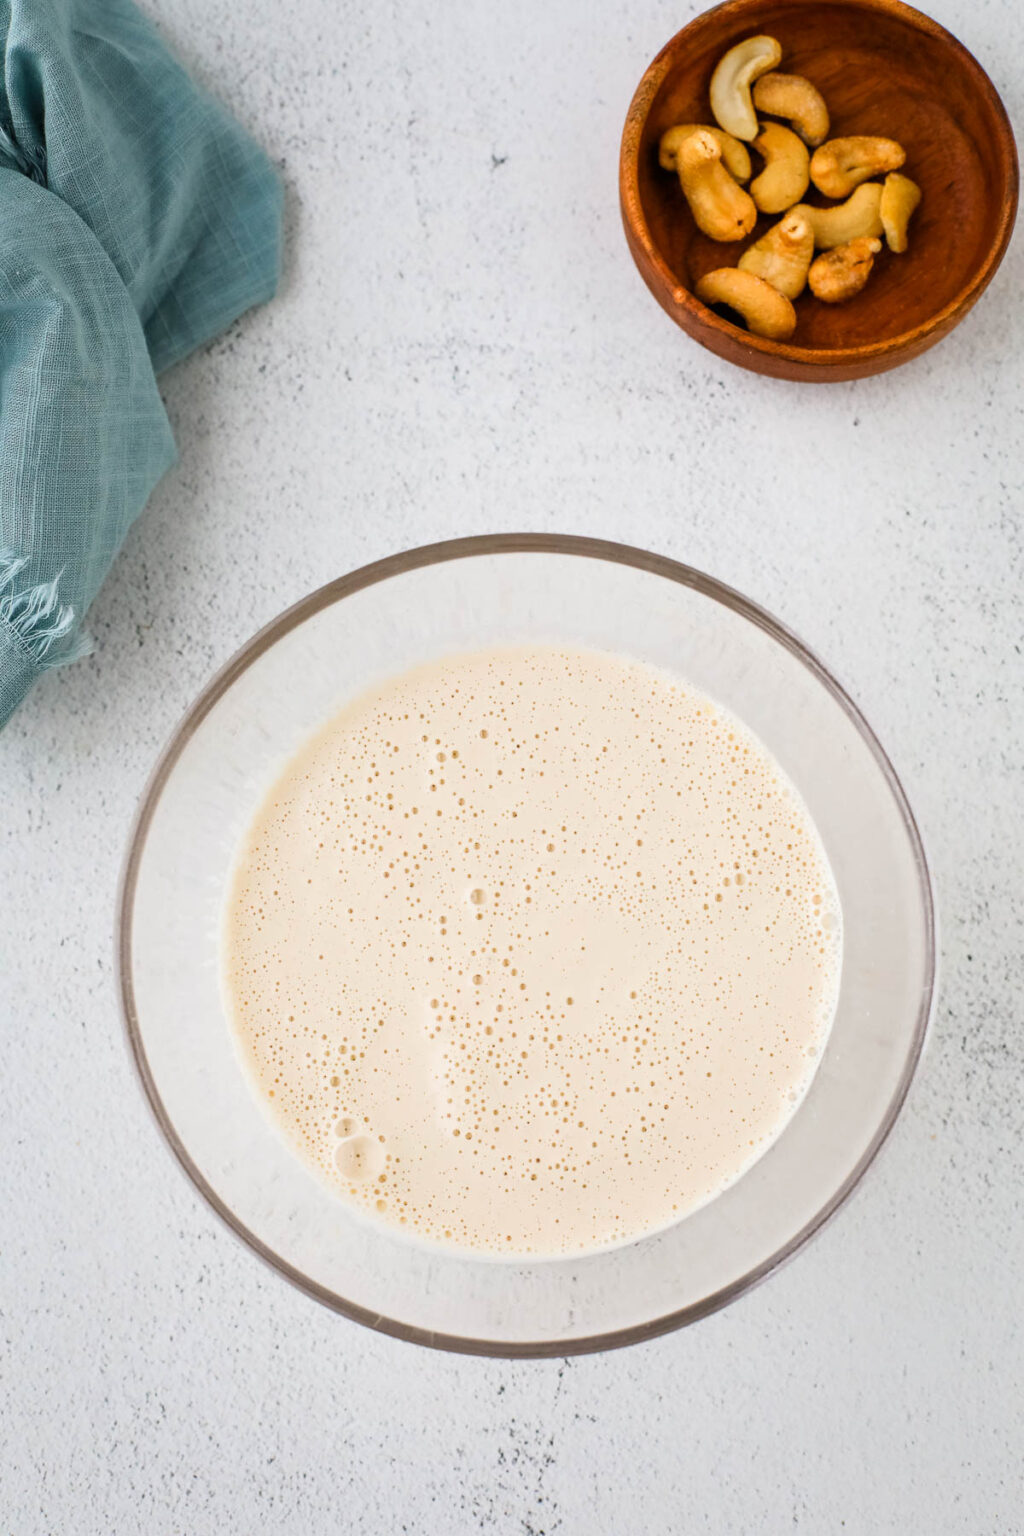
296	673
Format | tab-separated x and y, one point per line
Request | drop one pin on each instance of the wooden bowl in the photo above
883	68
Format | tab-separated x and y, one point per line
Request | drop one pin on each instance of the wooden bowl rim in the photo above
705	318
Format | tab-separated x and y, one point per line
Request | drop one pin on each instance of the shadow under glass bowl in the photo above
282	686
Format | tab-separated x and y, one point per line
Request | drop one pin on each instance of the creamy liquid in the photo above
531	951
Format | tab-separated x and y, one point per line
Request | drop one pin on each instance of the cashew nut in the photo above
784	179
797	100
719	205
900	196
841	273
842	164
765	310
735	155
783	255
734	74
858	216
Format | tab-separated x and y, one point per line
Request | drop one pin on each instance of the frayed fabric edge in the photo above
42	626
31	163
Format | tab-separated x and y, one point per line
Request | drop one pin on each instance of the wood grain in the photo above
883	68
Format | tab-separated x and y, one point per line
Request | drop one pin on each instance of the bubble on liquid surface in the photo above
360	1158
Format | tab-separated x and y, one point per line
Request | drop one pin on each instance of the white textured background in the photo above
463	345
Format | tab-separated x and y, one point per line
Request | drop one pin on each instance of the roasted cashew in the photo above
842	164
841	273
783	255
858	216
734	74
765	310
797	100
735	155
784	179
719	205
900	196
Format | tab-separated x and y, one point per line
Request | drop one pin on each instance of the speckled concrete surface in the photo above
463	345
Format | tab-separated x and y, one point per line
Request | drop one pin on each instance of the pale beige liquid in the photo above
532	951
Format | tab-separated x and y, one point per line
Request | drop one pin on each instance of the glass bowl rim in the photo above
249	653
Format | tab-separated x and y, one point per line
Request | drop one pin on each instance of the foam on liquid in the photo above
531	951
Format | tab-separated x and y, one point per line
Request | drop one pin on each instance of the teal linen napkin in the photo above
137	220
